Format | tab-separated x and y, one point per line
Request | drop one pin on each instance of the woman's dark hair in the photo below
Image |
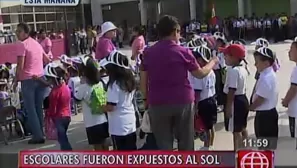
90	71
123	77
61	73
167	25
25	27
4	74
41	31
140	30
8	64
264	58
33	34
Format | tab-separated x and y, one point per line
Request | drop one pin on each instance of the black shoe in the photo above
33	141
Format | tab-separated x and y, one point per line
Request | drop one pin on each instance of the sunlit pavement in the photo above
285	154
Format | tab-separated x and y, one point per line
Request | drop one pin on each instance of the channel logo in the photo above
255	159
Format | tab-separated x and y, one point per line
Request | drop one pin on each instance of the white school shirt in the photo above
266	87
206	85
73	83
236	78
83	93
221	63
292	106
122	120
267	23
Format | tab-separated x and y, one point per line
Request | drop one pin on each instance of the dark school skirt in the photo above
292	125
207	110
238	121
97	133
266	126
219	87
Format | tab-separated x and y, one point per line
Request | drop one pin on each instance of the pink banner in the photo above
8	51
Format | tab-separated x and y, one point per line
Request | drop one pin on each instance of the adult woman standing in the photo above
105	45
170	96
46	43
30	60
138	43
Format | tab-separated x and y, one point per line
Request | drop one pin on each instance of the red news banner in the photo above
198	159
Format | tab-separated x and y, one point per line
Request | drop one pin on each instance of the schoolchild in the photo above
120	108
220	69
290	100
59	103
265	97
93	98
237	105
205	89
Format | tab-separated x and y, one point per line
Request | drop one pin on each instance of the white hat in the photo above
115	58
106	27
49	70
295	38
65	59
262	42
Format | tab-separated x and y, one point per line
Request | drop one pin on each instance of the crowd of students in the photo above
271	26
208	76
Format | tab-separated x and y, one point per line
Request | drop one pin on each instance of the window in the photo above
6	19
71	16
49	9
15	9
31	26
21	18
39	9
40	17
27	8
60	25
15	19
5	10
50	17
59	16
40	26
70	9
51	26
28	18
59	9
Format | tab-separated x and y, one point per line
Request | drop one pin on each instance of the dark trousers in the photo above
292	125
150	143
62	125
266	127
127	142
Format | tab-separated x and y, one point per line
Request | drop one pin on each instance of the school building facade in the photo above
143	11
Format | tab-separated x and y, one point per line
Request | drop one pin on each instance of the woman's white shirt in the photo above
292	107
83	93
121	121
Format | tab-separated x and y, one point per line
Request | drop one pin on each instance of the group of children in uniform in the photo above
107	100
231	75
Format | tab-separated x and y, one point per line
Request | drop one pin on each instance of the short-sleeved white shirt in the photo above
222	62
122	120
292	107
73	83
236	78
266	87
206	85
83	92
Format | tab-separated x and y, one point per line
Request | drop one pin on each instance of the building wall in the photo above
47	18
122	12
224	8
260	7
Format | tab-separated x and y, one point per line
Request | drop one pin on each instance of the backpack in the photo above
97	99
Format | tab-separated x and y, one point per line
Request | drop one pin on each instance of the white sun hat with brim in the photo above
106	27
3	82
116	58
65	59
49	70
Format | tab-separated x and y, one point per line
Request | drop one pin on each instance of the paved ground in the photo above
285	154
